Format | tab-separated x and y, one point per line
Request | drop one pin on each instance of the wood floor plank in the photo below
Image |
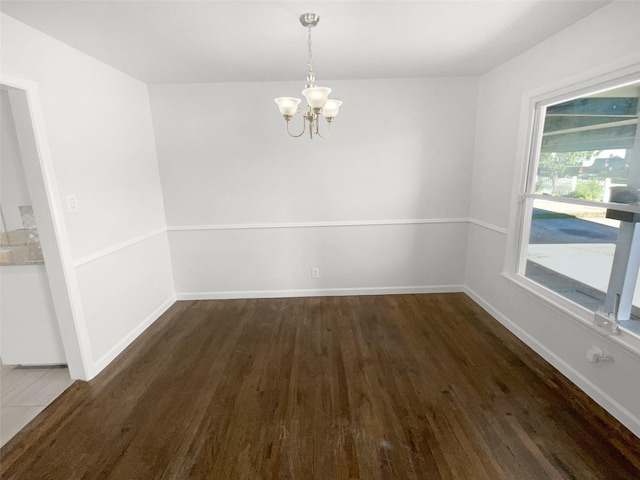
372	387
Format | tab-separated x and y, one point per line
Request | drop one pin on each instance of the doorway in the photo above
33	369
30	129
30	333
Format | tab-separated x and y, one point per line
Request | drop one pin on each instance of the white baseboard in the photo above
108	357
320	292
601	397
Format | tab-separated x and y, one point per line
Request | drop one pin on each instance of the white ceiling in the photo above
229	41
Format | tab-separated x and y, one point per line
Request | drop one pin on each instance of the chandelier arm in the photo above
328	130
304	127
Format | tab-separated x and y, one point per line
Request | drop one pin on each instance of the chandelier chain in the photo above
310	75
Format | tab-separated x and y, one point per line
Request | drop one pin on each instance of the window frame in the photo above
533	110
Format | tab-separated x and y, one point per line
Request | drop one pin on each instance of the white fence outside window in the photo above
567	185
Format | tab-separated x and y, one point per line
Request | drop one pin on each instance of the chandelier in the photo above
317	101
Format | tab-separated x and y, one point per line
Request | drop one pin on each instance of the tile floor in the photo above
25	392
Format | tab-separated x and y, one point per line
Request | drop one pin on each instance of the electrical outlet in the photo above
315	273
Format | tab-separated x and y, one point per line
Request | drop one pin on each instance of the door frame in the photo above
56	248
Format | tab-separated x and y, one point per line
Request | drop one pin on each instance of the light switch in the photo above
72	203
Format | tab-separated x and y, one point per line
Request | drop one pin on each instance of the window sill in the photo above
632	327
629	331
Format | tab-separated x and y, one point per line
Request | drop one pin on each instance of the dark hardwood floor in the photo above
372	387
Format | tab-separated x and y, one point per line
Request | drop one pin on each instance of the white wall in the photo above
100	138
381	205
609	37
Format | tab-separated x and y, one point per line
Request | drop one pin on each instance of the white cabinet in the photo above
29	333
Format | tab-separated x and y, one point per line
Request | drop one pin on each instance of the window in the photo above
581	205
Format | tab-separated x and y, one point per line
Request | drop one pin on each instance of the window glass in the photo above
571	249
587	159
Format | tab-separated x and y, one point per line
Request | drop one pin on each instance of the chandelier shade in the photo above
317	97
330	109
288	105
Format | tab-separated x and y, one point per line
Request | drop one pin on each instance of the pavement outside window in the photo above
571	251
